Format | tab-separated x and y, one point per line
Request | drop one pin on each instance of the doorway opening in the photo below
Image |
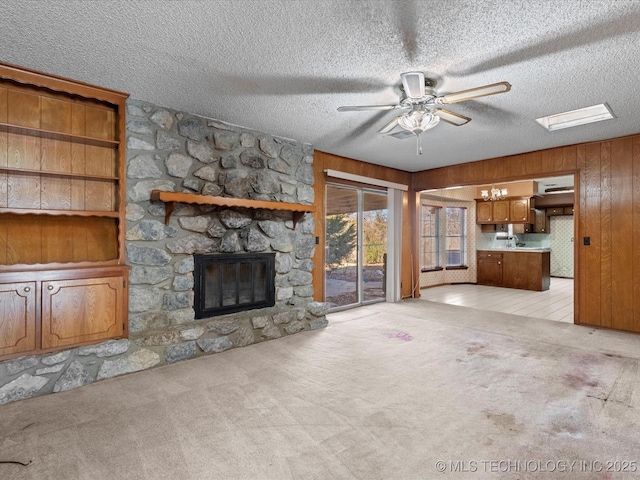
356	246
553	229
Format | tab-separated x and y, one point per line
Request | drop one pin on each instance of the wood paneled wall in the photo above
607	210
323	161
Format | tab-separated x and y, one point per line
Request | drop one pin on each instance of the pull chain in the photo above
419	146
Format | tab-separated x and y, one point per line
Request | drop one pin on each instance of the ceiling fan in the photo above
424	105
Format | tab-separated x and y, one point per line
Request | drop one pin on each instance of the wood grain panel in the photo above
590	265
23	109
3	147
57	239
78	185
100	195
578	228
495	169
636	231
100	239
93	304
533	163
100	123
23	191
621	204
23	239
569	158
518	165
55	191
605	235
55	114
17	317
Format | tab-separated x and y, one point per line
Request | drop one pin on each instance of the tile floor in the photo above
553	304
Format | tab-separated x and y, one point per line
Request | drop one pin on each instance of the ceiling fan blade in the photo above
356	108
451	117
472	93
389	126
413	83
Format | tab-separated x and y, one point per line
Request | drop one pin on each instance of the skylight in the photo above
582	116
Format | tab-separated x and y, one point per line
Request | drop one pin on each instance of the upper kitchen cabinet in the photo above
62	207
504	211
484	212
519	211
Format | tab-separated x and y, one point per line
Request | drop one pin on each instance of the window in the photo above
456	236
429	238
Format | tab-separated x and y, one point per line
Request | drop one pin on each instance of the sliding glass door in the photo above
356	246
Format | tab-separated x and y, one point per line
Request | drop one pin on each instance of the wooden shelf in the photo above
171	198
40	132
71	213
58	174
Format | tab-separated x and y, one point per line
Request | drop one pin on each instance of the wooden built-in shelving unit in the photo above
63	277
171	198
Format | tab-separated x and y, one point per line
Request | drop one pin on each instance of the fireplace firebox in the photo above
228	283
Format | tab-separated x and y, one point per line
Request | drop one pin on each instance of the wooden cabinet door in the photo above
501	211
17	317
555	211
540	225
484	212
519	210
82	311
489	272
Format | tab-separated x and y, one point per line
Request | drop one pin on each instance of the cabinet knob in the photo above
27	289
499	263
49	287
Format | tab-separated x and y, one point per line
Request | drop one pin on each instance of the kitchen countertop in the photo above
516	249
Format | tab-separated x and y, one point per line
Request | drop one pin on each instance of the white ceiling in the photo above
284	66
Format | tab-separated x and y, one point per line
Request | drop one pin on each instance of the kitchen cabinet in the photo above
514	268
540	221
62	212
519	211
526	270
555	211
503	211
489	268
484	212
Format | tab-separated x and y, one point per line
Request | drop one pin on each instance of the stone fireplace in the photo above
229	283
177	152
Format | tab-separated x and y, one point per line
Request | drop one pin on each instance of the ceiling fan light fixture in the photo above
418	122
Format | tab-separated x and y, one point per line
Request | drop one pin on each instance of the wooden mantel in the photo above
171	198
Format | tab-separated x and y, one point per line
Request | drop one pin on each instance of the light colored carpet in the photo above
384	392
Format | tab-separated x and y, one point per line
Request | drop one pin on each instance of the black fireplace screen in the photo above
227	283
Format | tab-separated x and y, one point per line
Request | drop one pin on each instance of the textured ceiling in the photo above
284	66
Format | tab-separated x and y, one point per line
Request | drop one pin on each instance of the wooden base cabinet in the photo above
65	309
489	268
17	317
514	269
81	311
